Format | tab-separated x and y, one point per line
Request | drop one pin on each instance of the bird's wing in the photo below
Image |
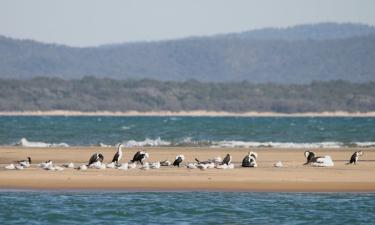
93	159
115	157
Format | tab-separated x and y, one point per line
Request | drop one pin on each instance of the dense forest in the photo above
298	54
93	94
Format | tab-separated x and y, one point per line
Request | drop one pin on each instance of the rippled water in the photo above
185	208
190	131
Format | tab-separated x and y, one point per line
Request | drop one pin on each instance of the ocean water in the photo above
185	208
189	131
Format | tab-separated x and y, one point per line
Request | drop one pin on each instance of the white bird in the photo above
10	167
132	165
111	165
325	161
46	164
155	165
123	166
145	166
165	163
68	165
202	166
192	165
96	165
82	167
278	164
59	168
19	167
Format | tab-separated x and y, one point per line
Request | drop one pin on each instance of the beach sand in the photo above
293	177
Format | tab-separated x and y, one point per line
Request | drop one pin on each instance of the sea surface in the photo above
22	207
288	132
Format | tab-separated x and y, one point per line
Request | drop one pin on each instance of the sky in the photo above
96	22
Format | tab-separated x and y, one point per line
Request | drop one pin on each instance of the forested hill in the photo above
299	54
92	94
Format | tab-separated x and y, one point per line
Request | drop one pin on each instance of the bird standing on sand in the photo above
97	157
227	160
178	160
140	157
355	157
117	157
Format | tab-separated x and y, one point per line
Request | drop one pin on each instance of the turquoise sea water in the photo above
185	208
190	131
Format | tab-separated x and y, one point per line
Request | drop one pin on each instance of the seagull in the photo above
140	157
165	163
97	157
117	157
178	160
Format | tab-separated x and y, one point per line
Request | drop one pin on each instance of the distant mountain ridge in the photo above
299	54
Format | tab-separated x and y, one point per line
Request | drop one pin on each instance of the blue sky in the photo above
95	22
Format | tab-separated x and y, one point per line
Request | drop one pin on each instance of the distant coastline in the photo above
186	113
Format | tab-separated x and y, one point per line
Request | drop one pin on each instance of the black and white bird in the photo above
178	160
355	157
117	157
97	157
227	160
140	157
310	157
25	163
250	160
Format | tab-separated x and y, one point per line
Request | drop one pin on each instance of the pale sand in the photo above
186	113
292	177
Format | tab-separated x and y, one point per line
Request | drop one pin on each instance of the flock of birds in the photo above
140	157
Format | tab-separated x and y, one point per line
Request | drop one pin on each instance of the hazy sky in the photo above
94	22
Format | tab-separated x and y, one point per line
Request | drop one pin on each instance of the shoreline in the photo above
292	177
197	113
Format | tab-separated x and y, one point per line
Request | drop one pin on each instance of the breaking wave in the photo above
25	143
189	142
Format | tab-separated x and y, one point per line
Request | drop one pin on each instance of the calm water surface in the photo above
18	207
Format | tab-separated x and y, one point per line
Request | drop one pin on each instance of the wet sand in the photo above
293	177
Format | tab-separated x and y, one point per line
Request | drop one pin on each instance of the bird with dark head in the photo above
118	155
97	157
178	160
227	160
250	160
140	157
25	163
310	157
354	158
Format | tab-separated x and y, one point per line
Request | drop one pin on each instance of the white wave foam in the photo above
147	142
250	144
25	143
